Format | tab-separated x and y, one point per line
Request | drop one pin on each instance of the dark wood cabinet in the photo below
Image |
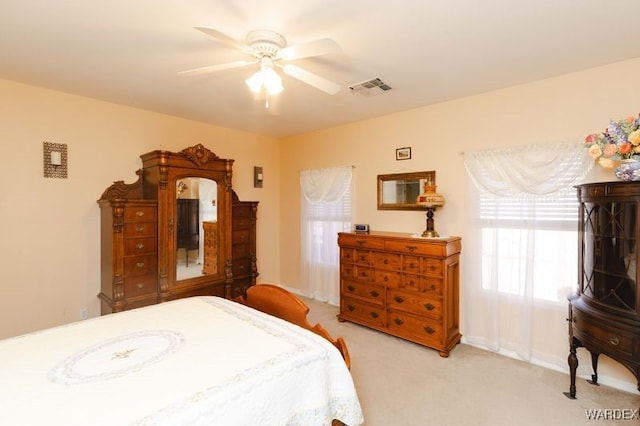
243	250
145	224
603	315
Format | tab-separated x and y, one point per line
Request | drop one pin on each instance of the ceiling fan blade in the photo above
315	48
219	67
312	79
223	38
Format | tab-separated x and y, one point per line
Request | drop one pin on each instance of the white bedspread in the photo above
202	360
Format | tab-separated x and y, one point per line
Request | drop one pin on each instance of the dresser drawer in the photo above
241	222
415	303
363	257
432	267
411	282
139	214
433	286
415	327
140	286
360	241
140	265
362	312
347	255
364	274
608	339
370	293
139	229
387	278
138	246
417	247
386	261
411	264
347	271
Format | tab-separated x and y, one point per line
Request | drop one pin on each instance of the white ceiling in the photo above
130	51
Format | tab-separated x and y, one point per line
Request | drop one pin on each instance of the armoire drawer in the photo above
138	246
140	265
139	229
140	214
140	286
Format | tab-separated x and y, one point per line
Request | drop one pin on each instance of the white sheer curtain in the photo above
521	244
325	208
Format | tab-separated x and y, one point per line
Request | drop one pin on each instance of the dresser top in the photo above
405	235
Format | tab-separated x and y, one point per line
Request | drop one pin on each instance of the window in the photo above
325	208
527	240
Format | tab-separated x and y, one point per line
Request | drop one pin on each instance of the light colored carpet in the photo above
402	383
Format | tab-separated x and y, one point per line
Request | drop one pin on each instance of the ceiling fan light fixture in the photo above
266	79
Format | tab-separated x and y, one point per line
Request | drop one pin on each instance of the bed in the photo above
200	360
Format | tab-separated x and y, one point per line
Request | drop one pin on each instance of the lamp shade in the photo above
430	198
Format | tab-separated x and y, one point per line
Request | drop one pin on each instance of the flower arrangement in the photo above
619	141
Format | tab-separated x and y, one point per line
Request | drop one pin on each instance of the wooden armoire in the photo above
139	234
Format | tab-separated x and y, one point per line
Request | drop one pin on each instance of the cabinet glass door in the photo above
609	254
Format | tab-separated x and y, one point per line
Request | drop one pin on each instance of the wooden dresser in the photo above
604	315
243	250
129	254
404	286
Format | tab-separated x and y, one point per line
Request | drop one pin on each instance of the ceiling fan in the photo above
269	49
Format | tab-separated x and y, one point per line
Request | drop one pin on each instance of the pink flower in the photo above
610	149
590	138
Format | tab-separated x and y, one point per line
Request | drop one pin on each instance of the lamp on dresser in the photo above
430	199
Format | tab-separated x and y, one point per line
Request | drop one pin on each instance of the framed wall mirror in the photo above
399	191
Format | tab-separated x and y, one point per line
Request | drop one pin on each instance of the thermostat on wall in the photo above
360	227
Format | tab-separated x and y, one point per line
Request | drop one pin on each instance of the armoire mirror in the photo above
196	224
399	191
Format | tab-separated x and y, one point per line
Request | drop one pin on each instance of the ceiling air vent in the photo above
368	88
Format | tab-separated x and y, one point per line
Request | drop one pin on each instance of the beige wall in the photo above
565	107
50	227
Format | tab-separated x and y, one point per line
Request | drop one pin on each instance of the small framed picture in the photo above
403	153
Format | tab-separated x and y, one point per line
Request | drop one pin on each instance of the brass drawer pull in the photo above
386	278
351	308
140	264
398	321
614	341
139	285
139	246
429	330
411	248
386	262
374	293
398	299
139	213
139	228
350	288
374	315
429	307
